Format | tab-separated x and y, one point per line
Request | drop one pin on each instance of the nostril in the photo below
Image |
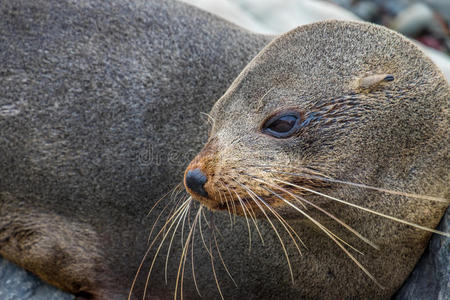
195	180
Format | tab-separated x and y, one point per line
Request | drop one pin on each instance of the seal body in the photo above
99	111
333	127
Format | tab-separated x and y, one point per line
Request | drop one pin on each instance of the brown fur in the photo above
363	129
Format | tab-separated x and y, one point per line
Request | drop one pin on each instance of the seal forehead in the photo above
325	60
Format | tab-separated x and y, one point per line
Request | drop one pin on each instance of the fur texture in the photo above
392	133
100	107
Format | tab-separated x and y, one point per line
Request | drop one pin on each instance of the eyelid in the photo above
269	121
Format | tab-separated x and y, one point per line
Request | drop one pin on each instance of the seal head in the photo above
343	125
343	100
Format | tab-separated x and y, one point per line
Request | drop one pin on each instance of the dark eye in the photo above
282	125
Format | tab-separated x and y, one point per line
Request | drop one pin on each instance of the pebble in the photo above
366	10
413	20
442	7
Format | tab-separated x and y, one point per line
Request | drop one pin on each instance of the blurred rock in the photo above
431	276
275	17
366	10
413	20
18	284
393	8
225	9
442	7
431	41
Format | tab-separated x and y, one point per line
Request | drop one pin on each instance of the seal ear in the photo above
372	81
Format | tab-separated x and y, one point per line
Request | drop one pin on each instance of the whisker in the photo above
157	219
253	217
331	235
228	206
211	120
248	223
299	199
164	196
162	211
206	220
336	236
232	204
202	237
367	209
178	214
183	259
361	185
217	230
223	262
150	247
214	271
252	195
181	200
170	245
285	225
306	171
182	226
192	258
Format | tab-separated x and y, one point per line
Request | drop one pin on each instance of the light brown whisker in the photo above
157	219
172	217
192	259
178	186
206	220
181	200
214	270
179	215
248	223
332	236
227	204
211	120
301	199
336	236
367	209
232	204
170	244
285	224
182	226
183	258
221	259
253	217
252	196
201	235
360	185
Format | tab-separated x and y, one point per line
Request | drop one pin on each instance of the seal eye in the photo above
282	125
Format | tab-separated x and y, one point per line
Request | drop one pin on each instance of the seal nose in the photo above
195	180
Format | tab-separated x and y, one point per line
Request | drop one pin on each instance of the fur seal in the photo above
99	110
338	133
100	107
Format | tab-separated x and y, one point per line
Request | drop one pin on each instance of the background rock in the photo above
431	277
18	284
